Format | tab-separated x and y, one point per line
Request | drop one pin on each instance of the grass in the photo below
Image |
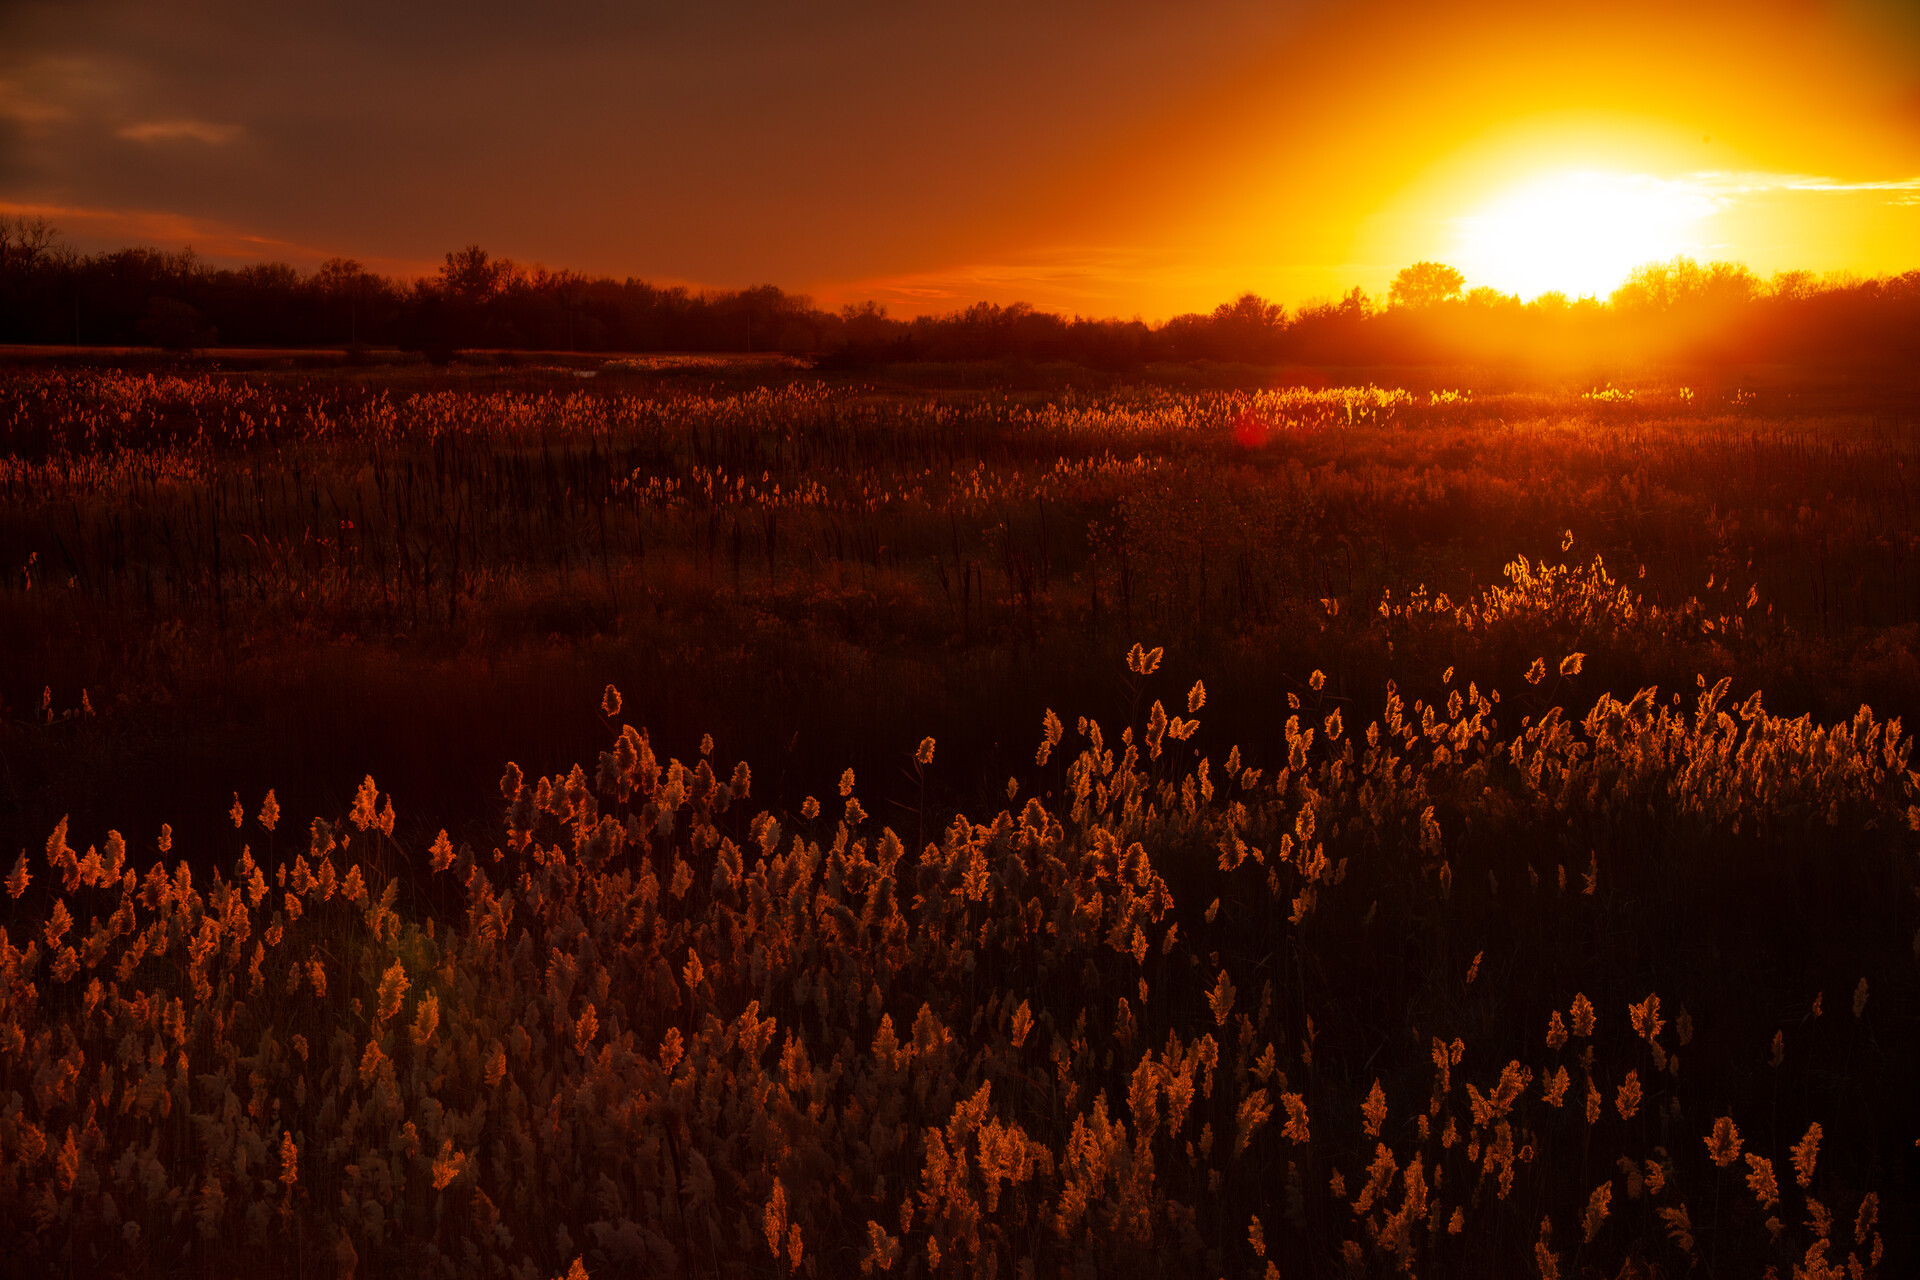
1140	1006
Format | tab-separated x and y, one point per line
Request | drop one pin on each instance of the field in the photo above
964	820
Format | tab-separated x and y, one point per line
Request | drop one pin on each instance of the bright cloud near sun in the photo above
1580	231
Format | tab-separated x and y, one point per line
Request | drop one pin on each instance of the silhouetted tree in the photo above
1423	284
1667	311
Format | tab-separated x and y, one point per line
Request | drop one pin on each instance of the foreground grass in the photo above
1470	989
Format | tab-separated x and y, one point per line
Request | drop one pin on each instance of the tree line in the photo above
1679	311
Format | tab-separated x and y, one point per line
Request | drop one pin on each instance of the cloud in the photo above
212	135
1722	185
93	227
20	104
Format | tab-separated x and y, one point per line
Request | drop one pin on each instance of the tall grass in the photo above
208	559
1403	982
1371	1010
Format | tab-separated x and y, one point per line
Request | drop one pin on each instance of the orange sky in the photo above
1118	158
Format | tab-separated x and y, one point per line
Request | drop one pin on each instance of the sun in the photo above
1579	231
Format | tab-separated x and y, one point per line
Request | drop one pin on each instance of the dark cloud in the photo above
715	141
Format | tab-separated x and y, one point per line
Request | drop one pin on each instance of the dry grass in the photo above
657	1028
1405	986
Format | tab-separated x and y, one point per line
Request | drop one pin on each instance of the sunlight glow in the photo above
1579	231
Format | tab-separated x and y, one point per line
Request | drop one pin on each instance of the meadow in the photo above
962	821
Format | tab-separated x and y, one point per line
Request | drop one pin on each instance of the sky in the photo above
1116	158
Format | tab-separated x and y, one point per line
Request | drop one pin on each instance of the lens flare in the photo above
1579	231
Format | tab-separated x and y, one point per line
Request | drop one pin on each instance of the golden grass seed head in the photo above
1598	1204
1723	1144
1627	1100
1581	1015
1806	1155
